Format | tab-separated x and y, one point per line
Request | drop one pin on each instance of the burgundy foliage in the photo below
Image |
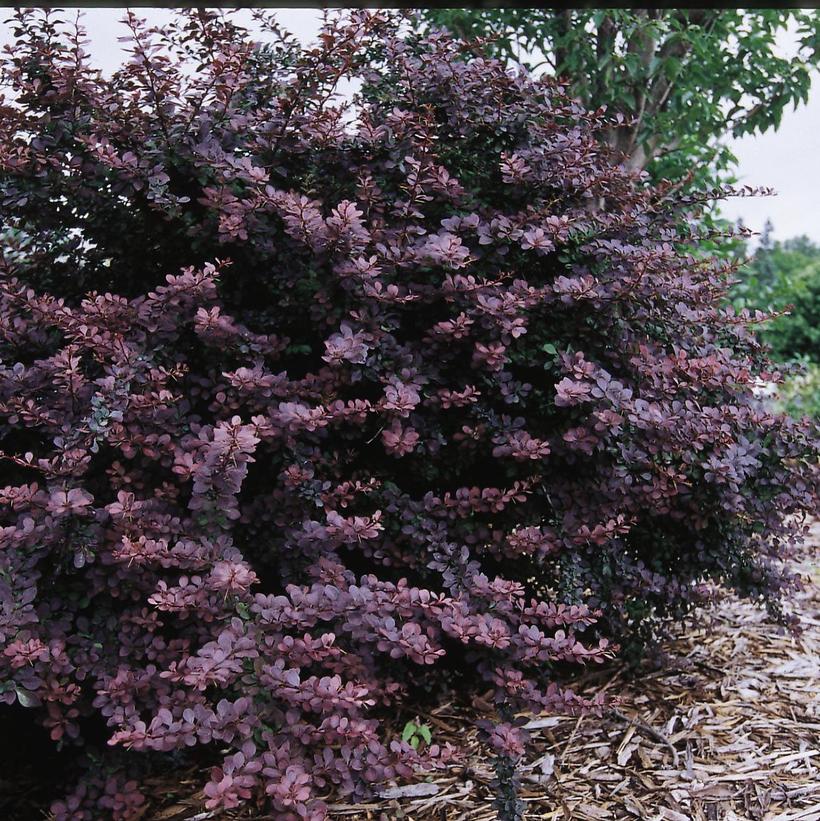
307	407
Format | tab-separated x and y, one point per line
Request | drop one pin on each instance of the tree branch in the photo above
563	23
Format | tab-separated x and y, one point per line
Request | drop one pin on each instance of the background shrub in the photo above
800	393
785	277
309	408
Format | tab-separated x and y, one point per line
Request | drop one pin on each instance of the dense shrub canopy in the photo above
302	403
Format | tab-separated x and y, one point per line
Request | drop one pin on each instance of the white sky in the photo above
786	160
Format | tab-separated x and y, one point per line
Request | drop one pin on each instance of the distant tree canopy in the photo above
685	78
784	275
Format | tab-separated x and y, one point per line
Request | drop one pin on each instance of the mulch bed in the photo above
728	730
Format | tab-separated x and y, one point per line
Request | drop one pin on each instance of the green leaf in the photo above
409	731
671	66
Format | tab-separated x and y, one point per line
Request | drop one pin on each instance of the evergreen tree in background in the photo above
765	266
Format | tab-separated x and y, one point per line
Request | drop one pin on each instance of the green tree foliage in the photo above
785	276
798	335
800	395
683	78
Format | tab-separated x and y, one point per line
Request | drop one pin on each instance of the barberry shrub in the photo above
308	406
